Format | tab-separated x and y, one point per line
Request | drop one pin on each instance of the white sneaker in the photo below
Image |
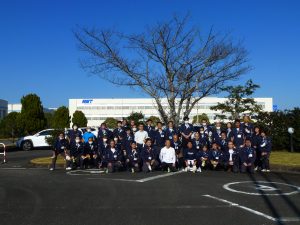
169	170
149	167
256	168
194	169
199	170
51	169
68	168
268	171
264	170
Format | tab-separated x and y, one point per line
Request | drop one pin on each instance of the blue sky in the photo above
38	52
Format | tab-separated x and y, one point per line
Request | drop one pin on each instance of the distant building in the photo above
3	108
18	107
97	110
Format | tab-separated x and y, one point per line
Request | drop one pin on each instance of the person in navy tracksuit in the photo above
149	157
223	142
256	140
186	130
265	148
159	137
216	133
104	131
206	127
60	147
102	150
202	158
176	144
128	139
216	157
119	131
247	127
84	157
113	158
133	159
92	150
171	130
190	158
76	148
247	157
231	158
204	139
238	135
72	134
150	129
229	131
197	145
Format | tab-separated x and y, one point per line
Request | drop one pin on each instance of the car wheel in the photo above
27	145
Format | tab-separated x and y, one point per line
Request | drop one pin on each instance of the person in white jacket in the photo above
167	157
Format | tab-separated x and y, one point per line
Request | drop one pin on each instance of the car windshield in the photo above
45	132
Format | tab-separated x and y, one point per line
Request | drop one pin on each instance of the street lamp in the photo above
291	131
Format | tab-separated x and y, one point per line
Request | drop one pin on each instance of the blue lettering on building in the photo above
87	101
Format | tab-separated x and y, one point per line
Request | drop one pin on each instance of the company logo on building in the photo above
87	101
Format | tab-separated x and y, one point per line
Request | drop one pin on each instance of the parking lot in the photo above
37	196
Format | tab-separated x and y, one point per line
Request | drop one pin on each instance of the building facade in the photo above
3	108
97	110
17	107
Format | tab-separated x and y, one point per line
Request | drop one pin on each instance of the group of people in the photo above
239	147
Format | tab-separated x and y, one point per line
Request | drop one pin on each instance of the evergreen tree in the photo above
111	123
79	119
32	118
61	118
239	101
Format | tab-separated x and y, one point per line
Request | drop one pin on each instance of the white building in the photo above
97	110
14	107
3	108
17	107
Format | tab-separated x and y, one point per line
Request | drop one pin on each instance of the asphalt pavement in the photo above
38	196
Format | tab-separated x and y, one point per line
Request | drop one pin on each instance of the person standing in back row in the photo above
140	136
186	131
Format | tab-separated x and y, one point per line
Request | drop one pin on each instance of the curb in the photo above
285	169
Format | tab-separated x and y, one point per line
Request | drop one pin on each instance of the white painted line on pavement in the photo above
158	177
282	219
137	181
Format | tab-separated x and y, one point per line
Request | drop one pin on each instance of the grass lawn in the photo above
282	158
47	161
285	158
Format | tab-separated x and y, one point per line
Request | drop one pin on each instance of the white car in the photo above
34	141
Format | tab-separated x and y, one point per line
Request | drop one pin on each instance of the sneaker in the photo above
169	170
263	170
132	170
199	170
256	168
268	171
149	167
68	168
194	169
51	169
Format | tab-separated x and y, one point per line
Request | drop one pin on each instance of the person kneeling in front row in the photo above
167	157
113	157
133	159
149	157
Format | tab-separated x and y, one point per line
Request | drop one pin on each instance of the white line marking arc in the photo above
283	219
228	188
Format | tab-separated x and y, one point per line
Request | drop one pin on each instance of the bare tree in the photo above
170	60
